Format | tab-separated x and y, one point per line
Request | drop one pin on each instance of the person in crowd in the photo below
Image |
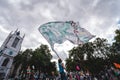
61	69
53	77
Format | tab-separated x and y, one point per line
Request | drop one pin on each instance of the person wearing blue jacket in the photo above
61	69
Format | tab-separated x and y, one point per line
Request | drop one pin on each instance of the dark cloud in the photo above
4	4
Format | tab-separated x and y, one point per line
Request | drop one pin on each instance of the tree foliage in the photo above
92	56
38	60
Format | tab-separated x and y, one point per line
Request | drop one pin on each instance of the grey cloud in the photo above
2	37
108	8
31	4
4	4
28	15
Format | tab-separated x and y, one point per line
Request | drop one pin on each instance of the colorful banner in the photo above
117	65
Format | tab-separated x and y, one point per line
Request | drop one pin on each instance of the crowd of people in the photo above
109	73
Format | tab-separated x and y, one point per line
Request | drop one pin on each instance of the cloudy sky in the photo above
99	17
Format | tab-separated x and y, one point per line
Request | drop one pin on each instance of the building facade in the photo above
9	49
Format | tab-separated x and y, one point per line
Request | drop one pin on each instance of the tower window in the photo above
5	62
15	42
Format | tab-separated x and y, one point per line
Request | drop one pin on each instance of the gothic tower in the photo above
9	49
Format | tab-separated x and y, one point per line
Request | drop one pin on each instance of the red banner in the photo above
117	65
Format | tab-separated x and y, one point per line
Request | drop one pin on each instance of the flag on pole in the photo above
58	32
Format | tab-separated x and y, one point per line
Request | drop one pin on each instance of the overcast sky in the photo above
99	17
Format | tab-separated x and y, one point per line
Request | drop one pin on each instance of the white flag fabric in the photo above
58	32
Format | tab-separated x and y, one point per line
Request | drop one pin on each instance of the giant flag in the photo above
58	32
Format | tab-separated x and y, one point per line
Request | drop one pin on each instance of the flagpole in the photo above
55	52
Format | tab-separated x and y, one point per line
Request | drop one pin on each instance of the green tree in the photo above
40	58
96	53
116	44
70	64
101	48
115	48
22	61
117	36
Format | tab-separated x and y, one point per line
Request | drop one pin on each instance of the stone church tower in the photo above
9	49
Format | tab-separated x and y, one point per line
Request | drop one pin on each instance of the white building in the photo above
8	51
